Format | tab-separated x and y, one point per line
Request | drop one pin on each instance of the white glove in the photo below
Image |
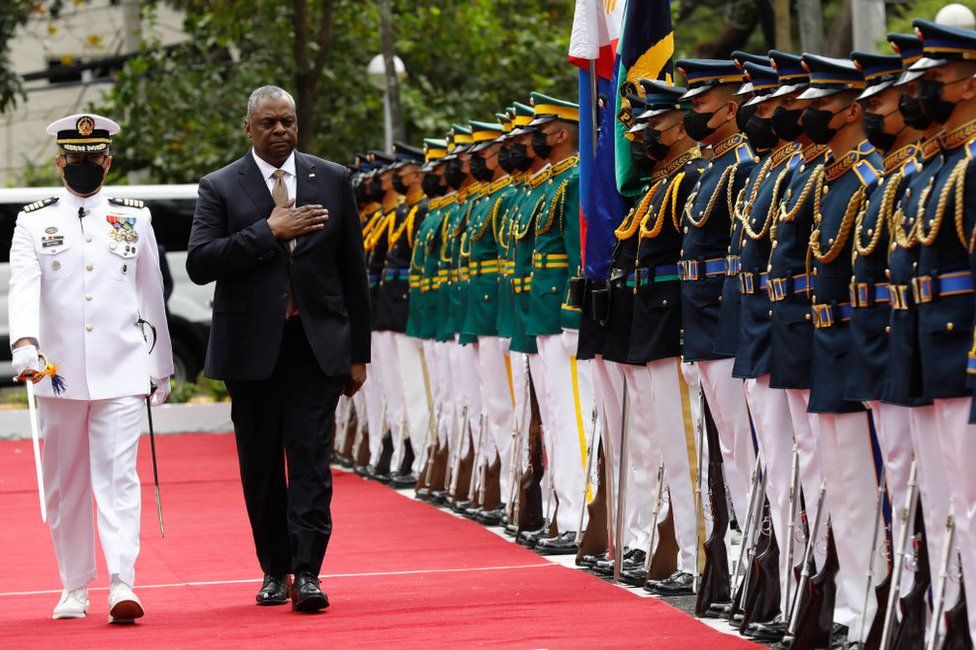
158	398
25	359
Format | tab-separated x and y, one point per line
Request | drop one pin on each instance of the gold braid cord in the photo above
814	184
956	185
520	234
770	213
744	208
637	215
843	232
884	216
672	197
407	226
707	212
556	206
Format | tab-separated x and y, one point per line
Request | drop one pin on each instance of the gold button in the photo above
88	297
486	296
89	327
664	302
806	316
770	313
89	267
55	265
887	329
950	327
803	168
825	190
888	273
88	239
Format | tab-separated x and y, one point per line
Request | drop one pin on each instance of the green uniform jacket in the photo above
481	315
556	252
419	285
511	196
432	282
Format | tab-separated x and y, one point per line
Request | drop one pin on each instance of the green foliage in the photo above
181	109
181	392
900	16
213	388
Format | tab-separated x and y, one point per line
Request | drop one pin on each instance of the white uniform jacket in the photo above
80	284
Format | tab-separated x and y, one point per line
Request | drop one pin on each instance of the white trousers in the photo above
497	403
416	383
811	477
665	400
392	382
958	441
643	451
449	391
934	493
570	398
847	460
90	450
727	400
464	373
375	393
892	426
770	410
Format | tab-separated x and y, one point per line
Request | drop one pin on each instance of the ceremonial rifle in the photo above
815	626
588	481
797	605
757	489
938	598
909	632
714	587
658	492
618	548
879	529
791	524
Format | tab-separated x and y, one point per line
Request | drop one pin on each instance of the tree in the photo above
182	109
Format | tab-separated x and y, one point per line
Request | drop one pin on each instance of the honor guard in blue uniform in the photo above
757	212
870	290
704	265
943	282
789	284
902	383
654	348
851	173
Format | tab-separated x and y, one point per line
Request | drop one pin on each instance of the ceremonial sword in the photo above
35	439
152	433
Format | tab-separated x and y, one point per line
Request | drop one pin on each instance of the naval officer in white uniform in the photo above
84	271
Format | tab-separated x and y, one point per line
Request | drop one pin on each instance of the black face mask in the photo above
786	123
453	174
696	124
433	186
912	114
656	149
505	159
399	185
520	157
933	106
760	132
816	124
639	158
875	131
539	145
84	178
376	189
742	116
479	169
362	192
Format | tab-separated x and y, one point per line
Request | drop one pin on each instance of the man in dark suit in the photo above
279	232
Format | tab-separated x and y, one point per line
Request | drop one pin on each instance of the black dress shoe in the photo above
562	544
438	496
768	632
423	494
403	481
491	517
588	561
460	506
361	470
306	595
634	576
678	584
274	590
530	538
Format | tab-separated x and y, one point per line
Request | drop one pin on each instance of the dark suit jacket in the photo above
231	243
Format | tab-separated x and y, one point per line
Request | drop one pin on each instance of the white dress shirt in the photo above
267	170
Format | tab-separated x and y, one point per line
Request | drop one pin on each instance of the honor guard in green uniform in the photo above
548	226
493	464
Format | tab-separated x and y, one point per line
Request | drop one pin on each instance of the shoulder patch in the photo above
867	174
128	203
43	203
971	149
743	153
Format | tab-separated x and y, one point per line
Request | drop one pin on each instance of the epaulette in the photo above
128	203
909	168
743	153
540	177
971	149
866	173
37	205
501	183
564	164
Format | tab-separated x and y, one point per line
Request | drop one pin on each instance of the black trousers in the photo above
287	420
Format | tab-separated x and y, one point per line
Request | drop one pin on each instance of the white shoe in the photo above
124	605
73	604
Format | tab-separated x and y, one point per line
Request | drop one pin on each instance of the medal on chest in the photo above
123	229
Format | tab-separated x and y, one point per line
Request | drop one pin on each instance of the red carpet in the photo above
398	572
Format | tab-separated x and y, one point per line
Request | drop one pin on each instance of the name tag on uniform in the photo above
50	241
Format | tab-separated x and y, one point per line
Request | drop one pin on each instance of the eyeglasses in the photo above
77	158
